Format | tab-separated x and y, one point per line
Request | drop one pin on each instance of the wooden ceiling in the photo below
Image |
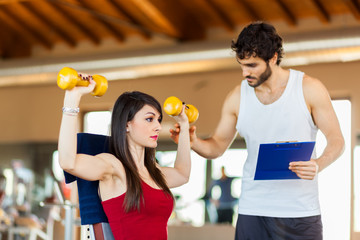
25	24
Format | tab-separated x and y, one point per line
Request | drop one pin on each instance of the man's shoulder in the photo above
235	92
312	89
309	82
309	78
233	97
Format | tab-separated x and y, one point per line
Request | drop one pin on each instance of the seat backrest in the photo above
91	210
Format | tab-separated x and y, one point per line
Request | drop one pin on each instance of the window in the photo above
188	207
233	160
97	122
357	189
334	181
56	169
9	175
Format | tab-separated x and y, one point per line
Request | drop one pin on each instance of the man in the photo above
226	202
274	104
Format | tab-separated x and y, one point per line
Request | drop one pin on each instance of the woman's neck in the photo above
138	155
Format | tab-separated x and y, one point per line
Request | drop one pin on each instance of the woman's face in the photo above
144	128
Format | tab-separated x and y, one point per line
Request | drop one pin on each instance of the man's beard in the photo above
263	77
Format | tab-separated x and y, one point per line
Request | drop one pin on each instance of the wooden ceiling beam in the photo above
323	15
12	44
12	1
14	47
289	16
3	40
146	34
61	33
24	29
157	17
252	13
75	22
354	7
11	27
223	17
185	20
108	26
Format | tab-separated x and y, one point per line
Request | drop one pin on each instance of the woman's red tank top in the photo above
148	223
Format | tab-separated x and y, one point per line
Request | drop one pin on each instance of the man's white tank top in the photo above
286	119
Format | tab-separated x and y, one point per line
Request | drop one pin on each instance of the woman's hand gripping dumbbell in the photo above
173	107
68	78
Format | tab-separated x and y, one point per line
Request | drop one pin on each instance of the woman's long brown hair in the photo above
125	108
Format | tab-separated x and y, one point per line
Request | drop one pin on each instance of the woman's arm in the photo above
214	146
180	173
81	165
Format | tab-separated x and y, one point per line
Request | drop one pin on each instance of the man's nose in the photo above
245	72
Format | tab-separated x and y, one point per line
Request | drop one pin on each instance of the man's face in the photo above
255	70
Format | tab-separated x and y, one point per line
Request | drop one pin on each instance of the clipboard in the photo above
274	158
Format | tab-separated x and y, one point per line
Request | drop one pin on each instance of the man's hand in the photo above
174	133
305	169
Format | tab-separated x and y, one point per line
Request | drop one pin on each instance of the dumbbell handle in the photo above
173	107
68	78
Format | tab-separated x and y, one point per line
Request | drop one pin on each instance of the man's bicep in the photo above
322	111
326	119
226	129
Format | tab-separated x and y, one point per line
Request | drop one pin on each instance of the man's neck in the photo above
272	89
277	80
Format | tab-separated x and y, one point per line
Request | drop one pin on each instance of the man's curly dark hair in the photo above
258	39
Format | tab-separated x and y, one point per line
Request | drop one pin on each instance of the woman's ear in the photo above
127	127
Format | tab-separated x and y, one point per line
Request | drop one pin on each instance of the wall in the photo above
33	114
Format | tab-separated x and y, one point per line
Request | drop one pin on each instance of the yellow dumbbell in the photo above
68	78
173	106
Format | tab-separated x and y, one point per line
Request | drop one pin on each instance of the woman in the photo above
134	189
